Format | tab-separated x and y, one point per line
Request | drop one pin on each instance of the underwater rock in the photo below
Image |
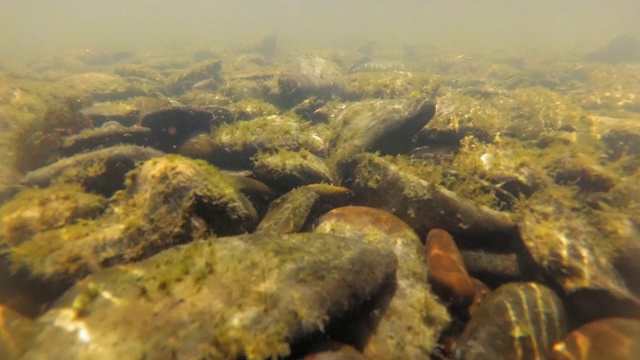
610	338
516	321
182	81
585	173
251	109
571	250
17	333
366	64
10	182
124	112
620	136
247	296
479	296
423	205
239	142
257	192
491	267
111	133
101	171
168	200
290	212
310	75
286	170
622	48
306	109
331	197
137	71
333	350
36	141
100	86
200	146
35	210
391	85
387	126
170	128
447	273
411	310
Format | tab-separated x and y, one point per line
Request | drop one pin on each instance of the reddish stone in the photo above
481	292
610	339
447	273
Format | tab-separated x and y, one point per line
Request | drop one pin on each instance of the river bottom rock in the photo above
246	296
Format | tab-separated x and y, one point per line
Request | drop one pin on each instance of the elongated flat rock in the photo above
249	295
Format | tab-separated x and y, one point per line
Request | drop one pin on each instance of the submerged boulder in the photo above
249	296
167	201
387	126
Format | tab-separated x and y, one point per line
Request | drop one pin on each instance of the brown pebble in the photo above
447	273
481	292
610	339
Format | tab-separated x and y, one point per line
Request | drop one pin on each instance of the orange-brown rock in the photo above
481	292
447	274
610	339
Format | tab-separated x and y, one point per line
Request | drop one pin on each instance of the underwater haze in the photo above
307	180
39	26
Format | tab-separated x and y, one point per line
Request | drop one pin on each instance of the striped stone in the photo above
517	321
610	339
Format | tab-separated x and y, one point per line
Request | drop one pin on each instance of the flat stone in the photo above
378	183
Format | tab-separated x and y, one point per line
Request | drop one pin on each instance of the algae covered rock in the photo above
36	210
411	310
247	296
237	143
290	212
183	80
423	205
100	171
111	133
288	169
167	201
171	127
100	86
572	249
310	75
387	126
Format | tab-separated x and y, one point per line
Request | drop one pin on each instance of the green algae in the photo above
292	286
157	209
36	210
251	109
37	142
